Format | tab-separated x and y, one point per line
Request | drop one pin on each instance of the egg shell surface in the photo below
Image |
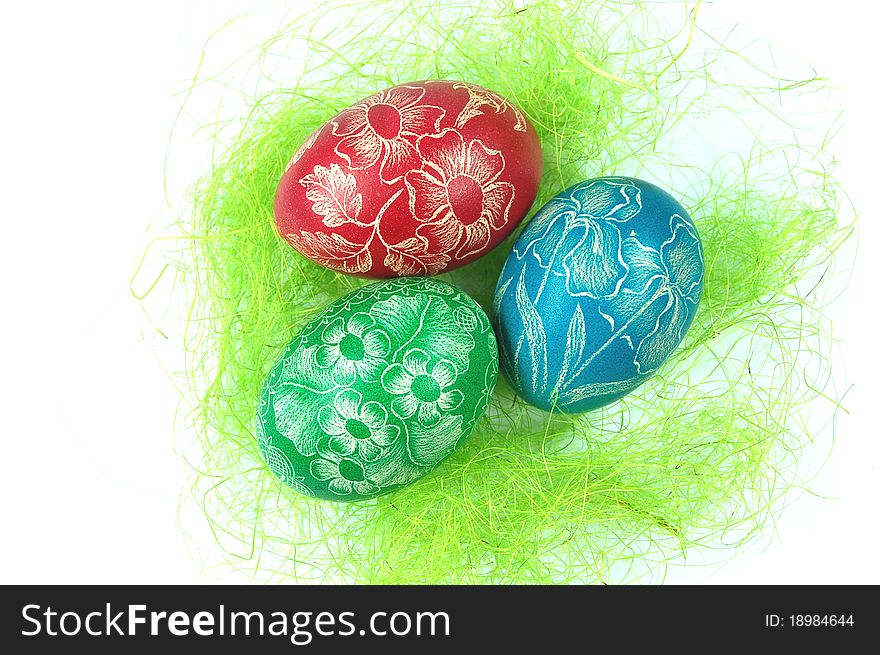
414	180
597	292
377	389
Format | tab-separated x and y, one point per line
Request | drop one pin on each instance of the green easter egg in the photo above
377	389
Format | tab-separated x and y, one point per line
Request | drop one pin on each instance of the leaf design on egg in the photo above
499	293
533	333
332	251
429	444
295	412
575	341
435	332
412	257
334	195
597	389
478	98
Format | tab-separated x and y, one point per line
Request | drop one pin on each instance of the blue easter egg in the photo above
598	290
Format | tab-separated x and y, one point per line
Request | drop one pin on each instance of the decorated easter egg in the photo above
598	290
377	389
417	179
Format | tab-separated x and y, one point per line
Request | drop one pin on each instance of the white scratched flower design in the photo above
422	387
343	474
578	236
353	349
456	194
661	294
478	98
383	128
355	427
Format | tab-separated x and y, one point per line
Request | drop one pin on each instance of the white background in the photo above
90	478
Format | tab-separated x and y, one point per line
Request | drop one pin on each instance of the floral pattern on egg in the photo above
377	390
597	292
413	180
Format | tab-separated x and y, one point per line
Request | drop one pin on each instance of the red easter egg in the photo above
414	180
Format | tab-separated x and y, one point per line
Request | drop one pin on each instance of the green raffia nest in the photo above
701	455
